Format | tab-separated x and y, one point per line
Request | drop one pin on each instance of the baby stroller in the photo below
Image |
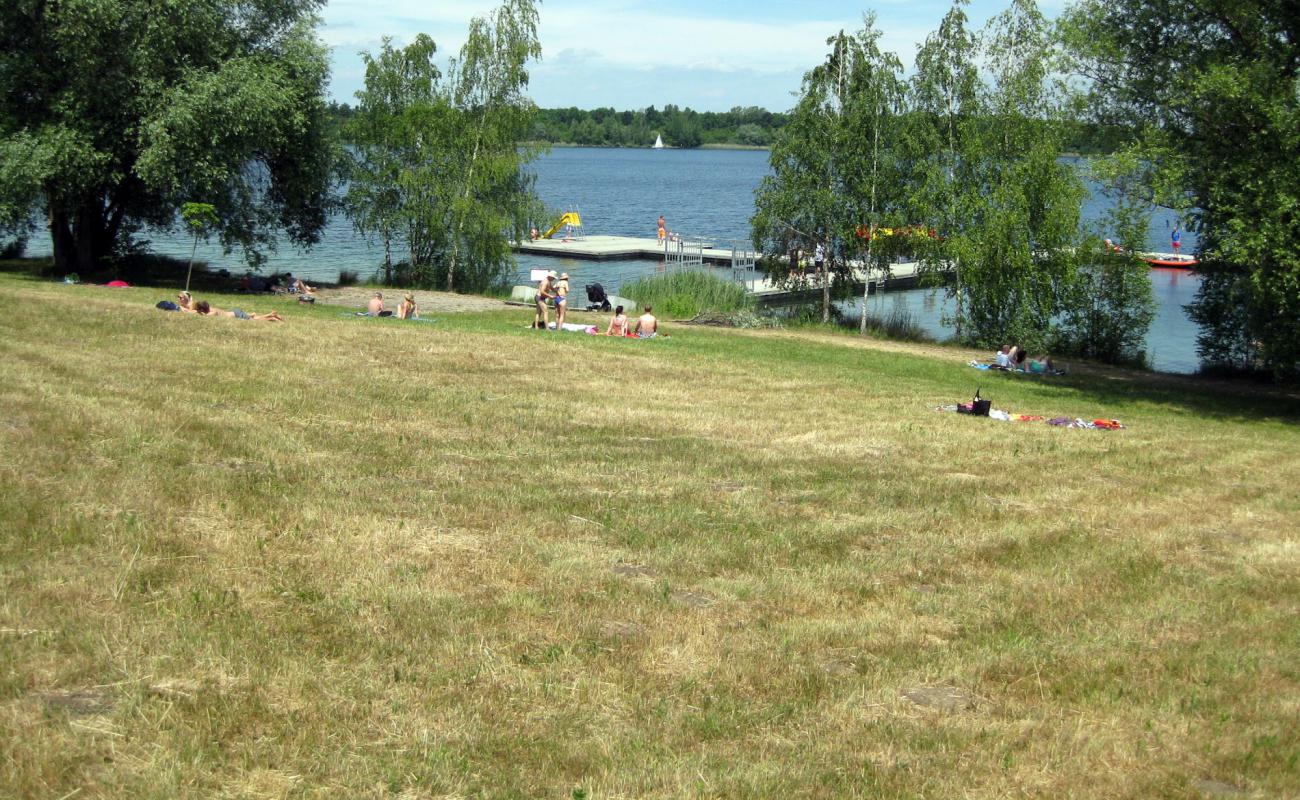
597	300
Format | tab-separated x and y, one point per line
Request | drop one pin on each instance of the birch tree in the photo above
438	163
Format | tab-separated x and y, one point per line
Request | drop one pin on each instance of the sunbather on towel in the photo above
647	326
617	323
407	308
375	307
203	308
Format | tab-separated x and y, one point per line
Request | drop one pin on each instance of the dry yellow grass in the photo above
347	557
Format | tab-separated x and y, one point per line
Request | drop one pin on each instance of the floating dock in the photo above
607	248
673	255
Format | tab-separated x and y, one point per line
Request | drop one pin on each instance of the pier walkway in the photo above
605	248
694	254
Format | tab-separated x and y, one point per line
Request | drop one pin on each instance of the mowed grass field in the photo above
345	557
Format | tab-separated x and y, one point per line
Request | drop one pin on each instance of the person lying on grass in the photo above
201	307
1039	366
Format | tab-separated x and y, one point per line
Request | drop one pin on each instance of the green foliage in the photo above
679	127
113	112
834	165
1110	304
436	167
1213	85
683	295
1014	230
200	218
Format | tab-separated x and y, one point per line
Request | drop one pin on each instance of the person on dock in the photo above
617	323
561	300
545	292
647	326
663	228
819	256
1176	239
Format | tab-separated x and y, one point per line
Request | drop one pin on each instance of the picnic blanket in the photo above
996	368
1059	422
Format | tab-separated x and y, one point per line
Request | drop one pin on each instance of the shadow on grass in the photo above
1215	398
143	271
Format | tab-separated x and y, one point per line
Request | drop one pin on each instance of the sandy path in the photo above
427	301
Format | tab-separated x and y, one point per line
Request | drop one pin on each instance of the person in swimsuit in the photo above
545	291
407	309
647	326
203	308
617	323
663	228
561	300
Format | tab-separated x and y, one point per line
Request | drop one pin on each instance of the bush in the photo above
348	277
682	295
14	249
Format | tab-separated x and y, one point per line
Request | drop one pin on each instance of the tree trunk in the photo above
460	223
82	238
866	283
826	290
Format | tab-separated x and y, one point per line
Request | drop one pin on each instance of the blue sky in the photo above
710	56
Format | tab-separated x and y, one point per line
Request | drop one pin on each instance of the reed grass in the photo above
682	295
346	557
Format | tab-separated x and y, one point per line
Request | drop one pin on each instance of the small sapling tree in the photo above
201	220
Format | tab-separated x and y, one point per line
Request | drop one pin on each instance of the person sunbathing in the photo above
647	326
1038	366
407	308
375	307
1003	357
617	323
203	308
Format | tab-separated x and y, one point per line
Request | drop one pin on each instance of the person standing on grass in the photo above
561	300
647	327
545	291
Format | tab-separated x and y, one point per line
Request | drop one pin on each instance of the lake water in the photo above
705	194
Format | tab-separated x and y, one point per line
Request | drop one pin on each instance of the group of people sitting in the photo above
407	309
185	302
647	325
555	288
279	284
1015	358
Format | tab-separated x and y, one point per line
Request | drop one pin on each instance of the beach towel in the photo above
996	368
1059	422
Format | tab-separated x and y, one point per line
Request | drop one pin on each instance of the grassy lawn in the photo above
345	557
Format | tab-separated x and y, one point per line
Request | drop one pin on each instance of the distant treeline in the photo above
684	127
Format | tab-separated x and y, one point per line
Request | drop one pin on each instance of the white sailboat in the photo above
659	142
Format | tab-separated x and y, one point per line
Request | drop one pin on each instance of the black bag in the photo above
978	407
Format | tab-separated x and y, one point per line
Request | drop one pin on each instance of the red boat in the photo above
1174	260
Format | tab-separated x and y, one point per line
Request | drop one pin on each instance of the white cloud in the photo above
585	45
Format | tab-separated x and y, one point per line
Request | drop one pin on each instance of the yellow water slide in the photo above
567	218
